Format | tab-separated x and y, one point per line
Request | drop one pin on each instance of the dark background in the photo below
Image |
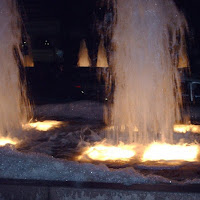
63	24
191	10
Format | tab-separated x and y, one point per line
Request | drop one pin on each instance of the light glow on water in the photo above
182	128
153	152
4	141
44	125
168	152
106	152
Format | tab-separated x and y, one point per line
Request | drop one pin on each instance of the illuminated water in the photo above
83	56
102	57
13	103
148	39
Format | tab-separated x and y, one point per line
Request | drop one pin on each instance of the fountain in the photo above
148	41
149	37
14	108
149	47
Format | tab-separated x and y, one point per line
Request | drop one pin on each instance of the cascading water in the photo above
102	57
14	107
83	57
148	39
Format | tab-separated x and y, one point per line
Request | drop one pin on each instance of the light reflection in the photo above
178	128
105	152
182	128
44	125
168	152
153	152
4	141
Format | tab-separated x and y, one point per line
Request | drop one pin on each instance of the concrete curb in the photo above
13	189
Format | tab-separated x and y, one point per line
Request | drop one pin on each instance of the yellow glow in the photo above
4	141
44	125
102	60
105	152
168	152
121	128
178	128
153	152
186	128
84	59
28	61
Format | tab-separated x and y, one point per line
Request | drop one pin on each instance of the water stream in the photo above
149	39
14	107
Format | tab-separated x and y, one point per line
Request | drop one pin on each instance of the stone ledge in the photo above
55	190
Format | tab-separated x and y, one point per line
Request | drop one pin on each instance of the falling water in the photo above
13	104
102	57
83	57
148	38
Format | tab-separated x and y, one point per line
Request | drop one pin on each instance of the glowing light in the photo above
186	128
102	58
4	141
178	128
168	152
105	152
121	128
28	61
84	59
44	125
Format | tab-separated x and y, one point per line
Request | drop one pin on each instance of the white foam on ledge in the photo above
17	165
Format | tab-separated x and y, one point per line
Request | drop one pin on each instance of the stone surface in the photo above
99	194
20	192
23	192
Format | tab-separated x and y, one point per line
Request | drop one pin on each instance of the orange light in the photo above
105	152
43	125
181	128
84	59
4	141
168	152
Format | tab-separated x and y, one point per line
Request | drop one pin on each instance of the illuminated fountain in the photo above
145	109
14	108
147	90
149	46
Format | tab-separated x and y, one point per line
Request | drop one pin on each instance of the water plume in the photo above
102	57
148	39
14	107
83	57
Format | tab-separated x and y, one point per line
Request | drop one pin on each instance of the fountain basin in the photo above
37	173
49	190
